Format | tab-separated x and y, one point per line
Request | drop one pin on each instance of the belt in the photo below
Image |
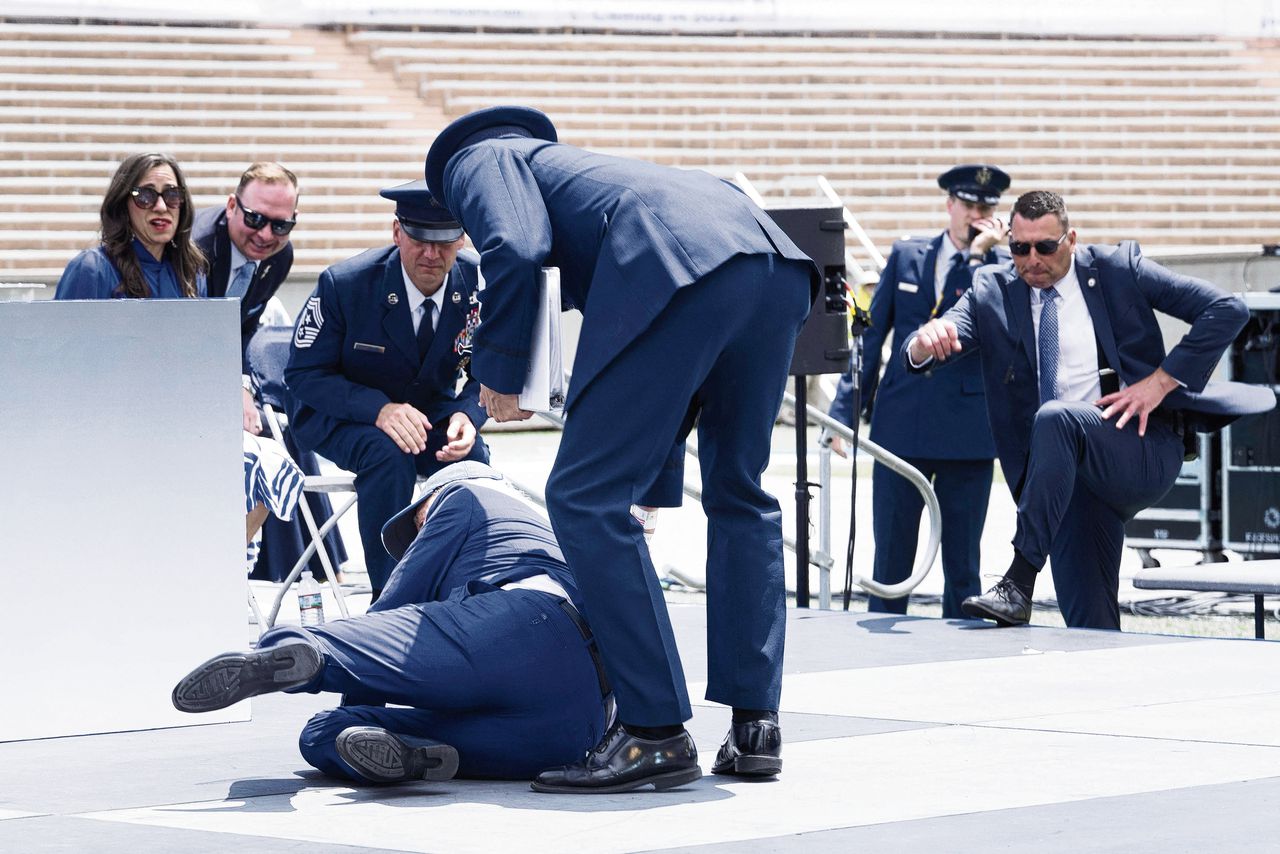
592	646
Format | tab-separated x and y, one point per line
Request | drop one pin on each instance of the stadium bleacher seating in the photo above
1169	141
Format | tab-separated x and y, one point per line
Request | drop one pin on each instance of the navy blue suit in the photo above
504	676
1076	478
209	232
354	351
691	299
935	421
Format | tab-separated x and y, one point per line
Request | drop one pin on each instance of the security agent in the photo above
1089	413
478	634
377	355
935	421
249	251
692	300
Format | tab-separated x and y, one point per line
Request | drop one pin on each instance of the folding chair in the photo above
268	354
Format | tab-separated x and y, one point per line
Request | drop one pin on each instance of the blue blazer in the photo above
354	349
1123	292
932	415
625	234
209	232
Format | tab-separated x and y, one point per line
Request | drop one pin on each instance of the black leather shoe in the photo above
385	757
622	762
1005	603
226	679
751	749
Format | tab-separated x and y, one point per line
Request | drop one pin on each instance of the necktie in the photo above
240	284
426	331
1048	344
957	261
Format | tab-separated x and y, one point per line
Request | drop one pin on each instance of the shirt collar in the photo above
237	259
1068	285
947	249
415	296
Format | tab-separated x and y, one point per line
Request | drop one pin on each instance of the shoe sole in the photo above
226	679
750	766
977	612
383	757
660	782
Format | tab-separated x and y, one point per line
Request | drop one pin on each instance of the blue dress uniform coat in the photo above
691	299
209	232
354	351
504	676
1076	478
936	421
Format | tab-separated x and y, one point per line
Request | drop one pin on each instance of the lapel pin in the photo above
457	297
393	298
1092	281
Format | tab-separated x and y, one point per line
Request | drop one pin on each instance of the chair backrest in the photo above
268	354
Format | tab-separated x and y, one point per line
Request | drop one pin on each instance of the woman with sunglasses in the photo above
146	249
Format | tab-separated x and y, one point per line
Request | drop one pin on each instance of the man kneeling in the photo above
476	633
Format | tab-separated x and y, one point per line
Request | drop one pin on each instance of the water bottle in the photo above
310	605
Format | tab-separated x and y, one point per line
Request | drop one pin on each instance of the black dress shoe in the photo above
385	757
622	762
751	749
1005	603
226	679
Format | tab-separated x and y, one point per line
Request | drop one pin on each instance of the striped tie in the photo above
1048	344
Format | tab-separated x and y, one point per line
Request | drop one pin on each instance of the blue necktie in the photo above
1048	344
240	285
425	330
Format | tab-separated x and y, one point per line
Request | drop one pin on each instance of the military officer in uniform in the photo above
936	421
378	354
692	298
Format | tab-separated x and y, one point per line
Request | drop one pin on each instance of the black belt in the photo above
592	646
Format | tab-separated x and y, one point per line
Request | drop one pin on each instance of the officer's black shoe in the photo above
1006	603
234	676
622	762
384	757
751	749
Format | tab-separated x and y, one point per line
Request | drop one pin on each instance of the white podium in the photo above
121	510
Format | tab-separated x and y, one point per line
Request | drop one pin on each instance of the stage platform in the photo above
902	734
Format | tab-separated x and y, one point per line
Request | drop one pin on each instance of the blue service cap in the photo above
399	531
489	123
421	217
975	182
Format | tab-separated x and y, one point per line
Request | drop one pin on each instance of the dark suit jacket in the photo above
625	234
354	349
209	232
1123	291
939	415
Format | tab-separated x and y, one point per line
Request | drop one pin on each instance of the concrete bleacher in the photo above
1166	140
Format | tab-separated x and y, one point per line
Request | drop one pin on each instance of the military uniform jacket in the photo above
939	415
209	232
354	348
625	234
1123	292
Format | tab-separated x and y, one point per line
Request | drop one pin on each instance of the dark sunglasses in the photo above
146	197
254	221
1043	247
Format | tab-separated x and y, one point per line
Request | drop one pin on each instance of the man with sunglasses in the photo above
937	420
1091	416
247	245
377	355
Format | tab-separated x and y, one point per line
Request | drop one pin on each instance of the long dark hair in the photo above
117	235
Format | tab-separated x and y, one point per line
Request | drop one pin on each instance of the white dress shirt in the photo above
418	307
942	266
1077	345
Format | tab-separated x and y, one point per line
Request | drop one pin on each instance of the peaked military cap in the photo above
975	182
420	215
488	123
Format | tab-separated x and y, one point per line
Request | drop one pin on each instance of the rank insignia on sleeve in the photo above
309	324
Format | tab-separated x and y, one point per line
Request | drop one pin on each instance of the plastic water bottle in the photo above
310	604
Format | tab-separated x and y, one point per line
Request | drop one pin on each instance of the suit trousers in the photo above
504	676
963	488
1085	479
721	348
385	477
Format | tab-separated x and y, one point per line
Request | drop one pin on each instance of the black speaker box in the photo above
823	344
